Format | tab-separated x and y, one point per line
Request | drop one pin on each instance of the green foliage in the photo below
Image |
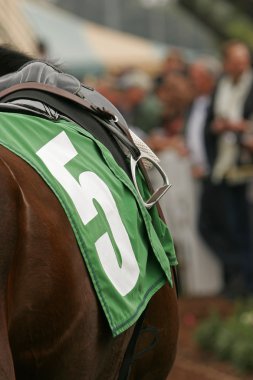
208	331
240	28
231	338
225	340
242	354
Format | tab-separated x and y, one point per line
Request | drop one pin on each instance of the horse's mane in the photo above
11	60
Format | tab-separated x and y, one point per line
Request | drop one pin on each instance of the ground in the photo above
192	363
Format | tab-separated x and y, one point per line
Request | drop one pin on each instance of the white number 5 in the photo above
55	154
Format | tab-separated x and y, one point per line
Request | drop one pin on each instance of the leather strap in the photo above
101	112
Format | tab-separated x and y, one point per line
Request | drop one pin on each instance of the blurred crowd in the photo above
198	119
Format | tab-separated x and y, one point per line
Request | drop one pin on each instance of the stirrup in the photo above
158	193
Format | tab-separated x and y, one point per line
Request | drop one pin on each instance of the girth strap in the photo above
129	354
76	98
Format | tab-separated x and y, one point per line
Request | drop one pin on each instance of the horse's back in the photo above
52	324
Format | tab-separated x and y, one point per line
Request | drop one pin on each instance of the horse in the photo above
52	325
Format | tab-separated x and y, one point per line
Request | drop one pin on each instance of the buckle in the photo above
158	193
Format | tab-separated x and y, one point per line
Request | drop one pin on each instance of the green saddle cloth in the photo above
127	249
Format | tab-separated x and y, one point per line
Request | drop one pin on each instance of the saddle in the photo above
41	82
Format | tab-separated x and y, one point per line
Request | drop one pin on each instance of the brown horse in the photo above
51	323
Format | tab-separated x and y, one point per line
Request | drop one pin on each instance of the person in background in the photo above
176	95
168	142
133	86
107	86
173	63
199	271
202	74
150	110
224	215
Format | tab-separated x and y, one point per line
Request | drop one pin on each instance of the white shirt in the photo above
230	97
229	104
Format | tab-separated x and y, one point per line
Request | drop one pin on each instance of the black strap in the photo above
99	106
129	354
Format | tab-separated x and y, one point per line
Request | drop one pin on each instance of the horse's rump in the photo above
53	315
51	306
